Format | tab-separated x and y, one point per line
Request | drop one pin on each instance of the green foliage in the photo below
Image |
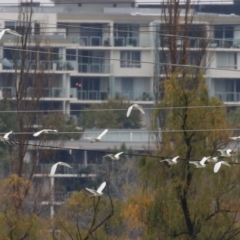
115	118
180	201
7	123
234	120
82	213
16	221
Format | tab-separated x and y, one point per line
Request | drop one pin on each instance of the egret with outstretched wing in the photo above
8	30
98	138
99	192
139	107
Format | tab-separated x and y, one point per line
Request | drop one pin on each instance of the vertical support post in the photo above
156	70
52	197
85	158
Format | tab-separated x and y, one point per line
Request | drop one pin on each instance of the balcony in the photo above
88	94
227	96
136	96
54	92
94	68
95	41
225	43
129	135
7	92
43	65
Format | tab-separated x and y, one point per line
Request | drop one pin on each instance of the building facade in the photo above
108	50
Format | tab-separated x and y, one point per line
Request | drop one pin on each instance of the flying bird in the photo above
225	153
140	108
54	167
218	165
213	159
99	138
5	138
44	131
235	138
200	164
99	192
171	161
8	30
114	157
6	63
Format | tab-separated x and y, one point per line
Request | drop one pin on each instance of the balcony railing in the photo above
96	41
136	96
225	43
227	96
94	68
48	92
7	92
44	65
92	95
124	136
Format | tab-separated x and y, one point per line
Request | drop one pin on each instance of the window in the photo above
10	25
126	34
130	59
71	55
24	29
221	32
226	60
37	28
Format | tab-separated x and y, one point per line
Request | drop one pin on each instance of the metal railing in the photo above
54	92
136	96
94	68
95	41
7	92
92	95
43	65
227	96
124	136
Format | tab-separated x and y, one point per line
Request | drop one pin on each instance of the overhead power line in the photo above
106	27
138	131
147	154
125	60
115	109
127	1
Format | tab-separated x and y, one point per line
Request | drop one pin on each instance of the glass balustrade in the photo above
42	65
94	68
136	96
98	41
225	43
104	95
92	95
227	96
7	92
47	92
124	136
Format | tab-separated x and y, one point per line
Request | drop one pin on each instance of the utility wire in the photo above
138	131
161	32
115	109
120	60
163	2
108	152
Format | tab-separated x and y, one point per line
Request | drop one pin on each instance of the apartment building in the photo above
107	50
